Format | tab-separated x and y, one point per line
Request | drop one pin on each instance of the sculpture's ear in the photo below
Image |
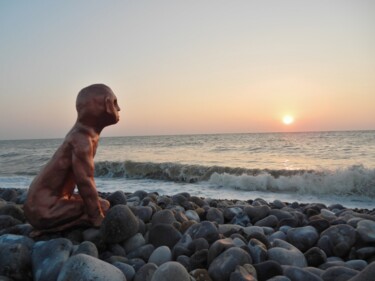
108	105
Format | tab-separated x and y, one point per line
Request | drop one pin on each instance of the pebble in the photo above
286	254
303	238
48	257
337	240
338	273
164	235
171	271
366	230
83	267
160	255
295	273
223	265
119	224
268	269
366	274
146	272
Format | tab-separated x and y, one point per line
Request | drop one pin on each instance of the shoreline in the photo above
182	237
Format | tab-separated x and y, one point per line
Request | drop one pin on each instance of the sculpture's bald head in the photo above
97	101
93	93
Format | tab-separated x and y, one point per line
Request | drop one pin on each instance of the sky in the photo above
189	67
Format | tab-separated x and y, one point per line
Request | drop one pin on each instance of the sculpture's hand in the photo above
97	222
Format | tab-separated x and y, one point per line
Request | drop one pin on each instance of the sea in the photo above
311	167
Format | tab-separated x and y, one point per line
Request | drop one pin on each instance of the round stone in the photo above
164	235
117	198
160	255
119	224
315	256
268	269
146	272
87	248
297	273
286	254
84	267
222	266
163	217
366	230
270	221
49	256
215	215
171	271
205	229
337	240
303	238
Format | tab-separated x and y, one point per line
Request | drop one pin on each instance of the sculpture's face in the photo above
112	108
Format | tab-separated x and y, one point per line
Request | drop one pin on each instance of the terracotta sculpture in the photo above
51	204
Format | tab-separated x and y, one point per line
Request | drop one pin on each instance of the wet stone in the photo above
126	269
222	266
215	215
339	273
48	257
366	230
134	242
160	255
164	235
303	238
200	274
205	229
119	224
84	267
116	198
87	248
297	273
268	269
337	240
315	256
286	254
171	271
146	272
270	221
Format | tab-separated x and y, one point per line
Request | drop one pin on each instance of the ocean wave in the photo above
354	180
177	172
351	181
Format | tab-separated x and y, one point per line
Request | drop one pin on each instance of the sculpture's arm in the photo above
83	169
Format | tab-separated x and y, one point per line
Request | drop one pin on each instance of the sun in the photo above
287	119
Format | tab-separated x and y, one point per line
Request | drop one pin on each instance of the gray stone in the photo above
219	247
146	272
134	242
48	257
7	221
182	246
258	250
257	213
270	221
200	274
222	266
144	252
286	254
279	278
163	217
337	240
164	235
117	198
119	224
339	273
268	269
357	264
87	248
14	211
315	256
84	267
241	274
171	271
205	229
126	269
15	257
295	273
192	215
160	255
303	238
215	215
366	274
144	213
366	230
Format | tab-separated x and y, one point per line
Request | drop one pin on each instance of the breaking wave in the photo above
354	180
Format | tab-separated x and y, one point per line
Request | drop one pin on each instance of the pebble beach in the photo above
147	236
